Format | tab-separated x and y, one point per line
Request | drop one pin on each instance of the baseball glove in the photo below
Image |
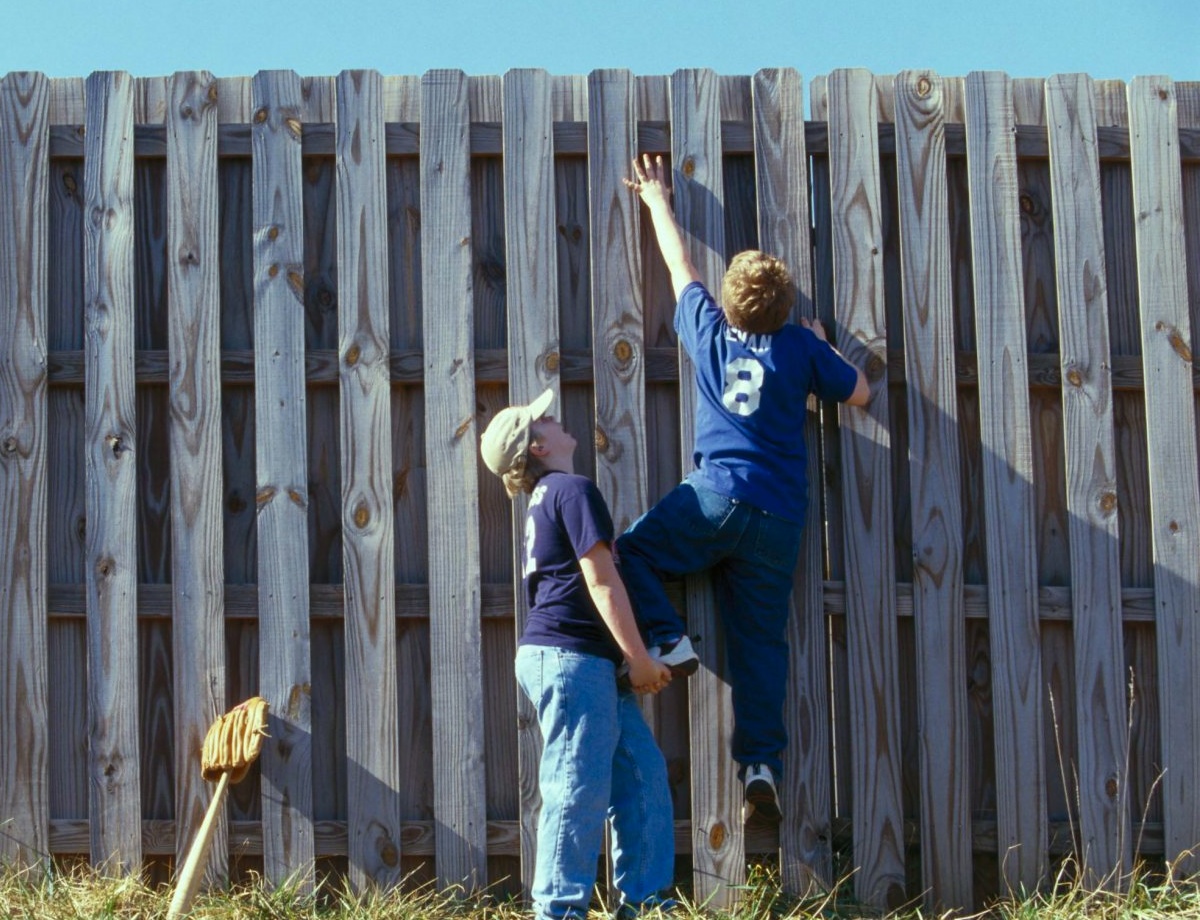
234	740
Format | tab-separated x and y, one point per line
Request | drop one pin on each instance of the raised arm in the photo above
649	181
611	600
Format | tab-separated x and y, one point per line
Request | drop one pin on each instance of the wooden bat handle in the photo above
197	858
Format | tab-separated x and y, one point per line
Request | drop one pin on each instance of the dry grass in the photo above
65	895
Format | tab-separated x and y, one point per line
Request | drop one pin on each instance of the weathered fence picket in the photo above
109	465
1102	785
197	570
936	489
533	351
335	281
1008	480
452	451
364	348
281	478
784	228
1171	431
718	836
872	662
24	774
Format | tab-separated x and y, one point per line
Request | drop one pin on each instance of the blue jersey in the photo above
567	517
752	403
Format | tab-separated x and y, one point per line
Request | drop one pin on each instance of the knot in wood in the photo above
294	127
212	94
552	361
1180	346
295	281
352	355
689	167
601	440
260	116
1162	93
297	498
1074	378
389	855
1111	787
876	368
361	515
10	445
1108	502
296	697
105	567
1027	203
69	183
273	270
264	495
924	86
273	233
716	836
622	351
1173	527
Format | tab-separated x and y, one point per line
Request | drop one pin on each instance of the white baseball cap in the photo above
507	437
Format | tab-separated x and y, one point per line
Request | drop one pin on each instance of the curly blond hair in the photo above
523	475
757	293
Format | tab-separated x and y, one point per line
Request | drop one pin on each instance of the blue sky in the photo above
1105	38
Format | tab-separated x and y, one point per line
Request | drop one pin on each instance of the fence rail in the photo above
252	327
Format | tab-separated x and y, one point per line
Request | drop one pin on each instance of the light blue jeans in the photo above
599	761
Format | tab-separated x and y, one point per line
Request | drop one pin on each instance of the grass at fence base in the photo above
77	894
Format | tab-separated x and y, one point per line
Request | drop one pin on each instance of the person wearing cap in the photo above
739	512
599	759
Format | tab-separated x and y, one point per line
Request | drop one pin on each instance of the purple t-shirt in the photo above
567	517
753	392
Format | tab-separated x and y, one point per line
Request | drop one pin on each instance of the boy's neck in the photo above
559	464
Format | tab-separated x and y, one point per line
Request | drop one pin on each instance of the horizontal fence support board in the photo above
570	139
152	366
66	602
69	836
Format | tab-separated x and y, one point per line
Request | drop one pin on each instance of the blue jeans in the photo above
599	761
752	555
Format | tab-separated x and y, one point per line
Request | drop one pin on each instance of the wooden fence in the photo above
251	328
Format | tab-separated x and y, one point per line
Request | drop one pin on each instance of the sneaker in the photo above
762	801
677	654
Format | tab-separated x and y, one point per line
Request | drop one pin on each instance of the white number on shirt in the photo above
743	381
530	534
